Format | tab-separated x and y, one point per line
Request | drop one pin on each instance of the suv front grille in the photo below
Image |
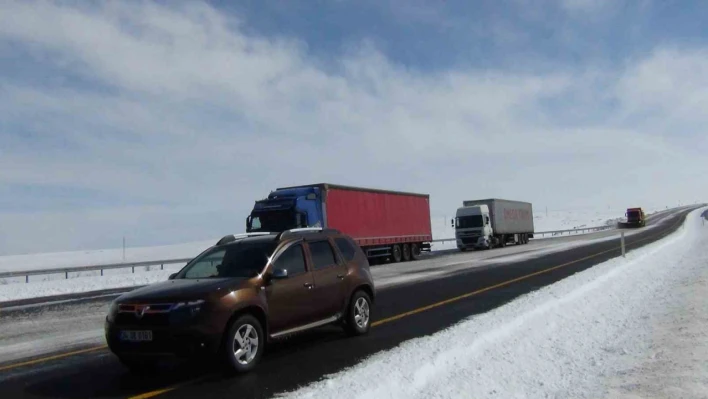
144	314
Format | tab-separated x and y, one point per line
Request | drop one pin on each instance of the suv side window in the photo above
322	255
292	260
346	248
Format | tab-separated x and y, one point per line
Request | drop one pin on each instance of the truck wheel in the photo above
406	252
396	253
502	241
415	251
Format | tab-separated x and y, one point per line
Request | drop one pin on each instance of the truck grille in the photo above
469	239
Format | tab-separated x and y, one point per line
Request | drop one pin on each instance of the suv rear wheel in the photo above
358	321
243	346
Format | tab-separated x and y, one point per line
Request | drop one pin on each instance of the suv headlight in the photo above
193	307
113	311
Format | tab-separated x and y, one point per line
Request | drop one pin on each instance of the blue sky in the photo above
163	121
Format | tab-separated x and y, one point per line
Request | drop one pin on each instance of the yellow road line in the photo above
46	359
480	291
160	391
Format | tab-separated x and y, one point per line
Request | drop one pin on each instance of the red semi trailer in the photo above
385	224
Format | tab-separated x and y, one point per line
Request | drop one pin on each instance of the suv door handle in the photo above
308	285
341	276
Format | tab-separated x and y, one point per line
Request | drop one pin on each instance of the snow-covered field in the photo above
101	256
627	328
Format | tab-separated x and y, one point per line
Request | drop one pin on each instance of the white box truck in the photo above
492	223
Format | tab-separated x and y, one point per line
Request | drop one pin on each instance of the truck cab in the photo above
286	209
635	217
473	228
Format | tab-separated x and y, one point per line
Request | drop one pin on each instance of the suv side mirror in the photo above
172	276
279	274
452	222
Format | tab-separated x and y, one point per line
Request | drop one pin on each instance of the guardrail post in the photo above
67	275
27	278
133	269
101	272
623	248
162	266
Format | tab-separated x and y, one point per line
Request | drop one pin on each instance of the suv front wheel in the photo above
358	321
243	346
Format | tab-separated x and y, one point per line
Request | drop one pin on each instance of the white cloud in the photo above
180	106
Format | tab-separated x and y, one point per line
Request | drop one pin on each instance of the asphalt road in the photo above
399	315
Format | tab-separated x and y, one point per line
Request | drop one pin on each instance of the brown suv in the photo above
241	293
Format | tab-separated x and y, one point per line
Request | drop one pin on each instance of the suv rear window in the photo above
322	255
346	248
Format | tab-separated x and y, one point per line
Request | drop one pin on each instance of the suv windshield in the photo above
466	222
234	260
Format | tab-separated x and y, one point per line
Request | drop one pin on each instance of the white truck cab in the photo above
473	227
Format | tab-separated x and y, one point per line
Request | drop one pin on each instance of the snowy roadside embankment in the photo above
633	327
52	260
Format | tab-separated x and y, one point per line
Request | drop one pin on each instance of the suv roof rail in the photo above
233	237
306	230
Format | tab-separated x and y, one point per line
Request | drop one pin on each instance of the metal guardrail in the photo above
77	269
555	232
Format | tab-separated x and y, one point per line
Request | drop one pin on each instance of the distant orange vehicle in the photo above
635	218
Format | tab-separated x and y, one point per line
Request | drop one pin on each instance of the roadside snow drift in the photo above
610	331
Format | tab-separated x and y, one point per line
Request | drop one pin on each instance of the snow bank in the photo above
576	338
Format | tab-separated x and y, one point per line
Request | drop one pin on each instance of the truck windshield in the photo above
633	215
272	221
466	222
236	260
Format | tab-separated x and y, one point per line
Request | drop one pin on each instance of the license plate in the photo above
136	336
